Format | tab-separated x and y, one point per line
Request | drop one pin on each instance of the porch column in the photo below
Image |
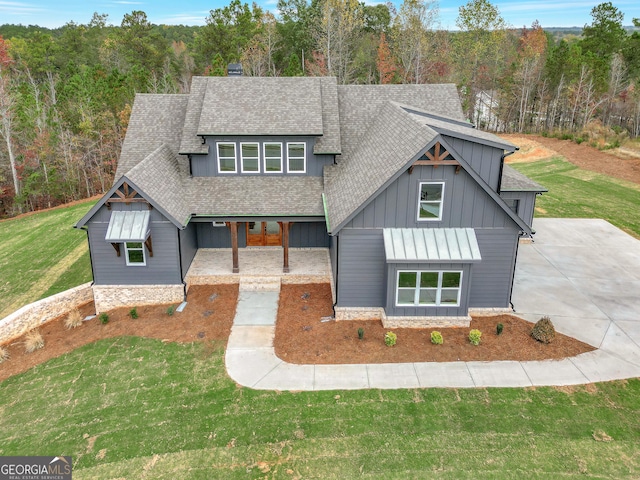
234	246
285	244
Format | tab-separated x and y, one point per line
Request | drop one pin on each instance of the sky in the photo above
55	13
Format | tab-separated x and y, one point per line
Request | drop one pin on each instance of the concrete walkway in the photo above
584	274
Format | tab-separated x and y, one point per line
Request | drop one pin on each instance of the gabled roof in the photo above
462	130
514	181
160	176
393	139
156	119
191	142
261	106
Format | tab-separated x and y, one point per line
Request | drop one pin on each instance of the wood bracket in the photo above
149	245
116	247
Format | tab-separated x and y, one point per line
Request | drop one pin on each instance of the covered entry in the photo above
264	234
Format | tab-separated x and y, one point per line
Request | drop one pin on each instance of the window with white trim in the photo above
226	157
134	254
430	201
428	288
250	155
296	157
272	154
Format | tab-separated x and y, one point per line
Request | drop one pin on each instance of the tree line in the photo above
66	93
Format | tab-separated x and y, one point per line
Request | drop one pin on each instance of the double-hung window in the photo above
430	201
226	157
272	154
428	288
296	157
134	254
250	157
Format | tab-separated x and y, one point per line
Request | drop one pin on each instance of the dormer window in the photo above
226	157
250	157
296	157
272	157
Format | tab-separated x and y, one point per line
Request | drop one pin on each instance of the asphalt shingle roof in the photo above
156	119
262	106
191	143
393	139
514	181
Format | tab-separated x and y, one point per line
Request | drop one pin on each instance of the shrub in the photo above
133	313
499	329
33	341
390	339
361	333
474	336
73	320
104	318
171	310
543	330
4	354
436	338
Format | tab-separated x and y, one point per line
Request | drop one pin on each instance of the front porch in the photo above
257	264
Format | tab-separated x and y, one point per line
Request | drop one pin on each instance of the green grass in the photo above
576	193
132	407
41	254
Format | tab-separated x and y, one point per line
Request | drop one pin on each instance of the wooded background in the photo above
66	93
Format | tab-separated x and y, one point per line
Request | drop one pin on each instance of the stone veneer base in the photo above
107	297
378	313
36	313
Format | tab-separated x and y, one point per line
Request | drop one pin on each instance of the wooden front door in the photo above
264	234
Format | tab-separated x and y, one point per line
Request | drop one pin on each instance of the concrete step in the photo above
259	284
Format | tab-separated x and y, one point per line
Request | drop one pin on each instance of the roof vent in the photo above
234	70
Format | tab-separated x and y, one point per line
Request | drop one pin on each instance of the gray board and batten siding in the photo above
207	165
465	203
188	238
361	264
109	269
485	160
524	206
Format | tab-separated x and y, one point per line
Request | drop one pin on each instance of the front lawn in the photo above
577	193
135	408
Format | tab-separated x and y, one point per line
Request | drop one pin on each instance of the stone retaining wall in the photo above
36	313
107	297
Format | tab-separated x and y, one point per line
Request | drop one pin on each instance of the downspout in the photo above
513	275
90	256
184	285
504	155
337	273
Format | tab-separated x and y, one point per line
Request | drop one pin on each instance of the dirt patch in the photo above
618	163
302	337
301	334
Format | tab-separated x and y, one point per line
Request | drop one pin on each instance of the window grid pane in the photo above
250	160
227	157
430	202
273	157
436	288
295	157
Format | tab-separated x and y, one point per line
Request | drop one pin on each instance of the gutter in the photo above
504	155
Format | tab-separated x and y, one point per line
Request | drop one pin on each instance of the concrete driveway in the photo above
585	275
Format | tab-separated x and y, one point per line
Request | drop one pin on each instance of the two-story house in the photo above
418	212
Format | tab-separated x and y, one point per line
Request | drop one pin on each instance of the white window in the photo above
428	288
272	155
296	157
430	201
226	157
250	157
134	254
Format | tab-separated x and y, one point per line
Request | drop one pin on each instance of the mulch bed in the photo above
301	335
